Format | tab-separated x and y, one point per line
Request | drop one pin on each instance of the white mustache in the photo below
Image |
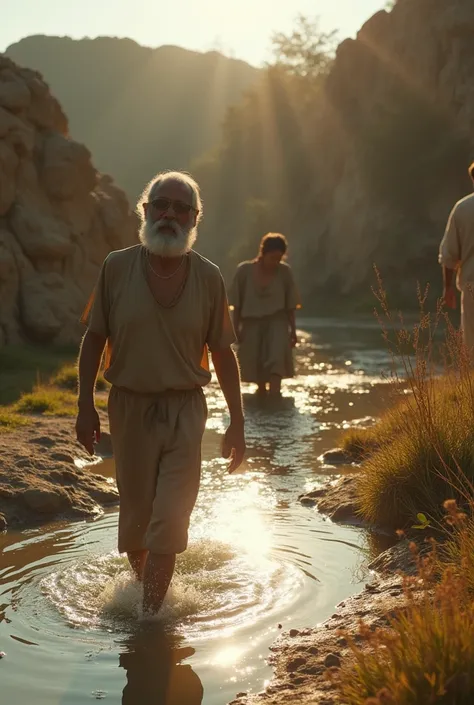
164	223
164	244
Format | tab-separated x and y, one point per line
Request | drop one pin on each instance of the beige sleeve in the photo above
220	334
450	248
96	313
292	297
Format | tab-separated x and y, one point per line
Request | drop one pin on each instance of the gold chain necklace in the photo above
169	276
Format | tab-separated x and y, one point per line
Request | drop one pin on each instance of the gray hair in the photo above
182	177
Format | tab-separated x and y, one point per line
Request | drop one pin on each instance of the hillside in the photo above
139	110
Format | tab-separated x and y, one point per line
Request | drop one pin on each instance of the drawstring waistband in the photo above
158	409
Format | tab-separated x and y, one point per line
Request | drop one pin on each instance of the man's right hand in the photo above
88	427
449	297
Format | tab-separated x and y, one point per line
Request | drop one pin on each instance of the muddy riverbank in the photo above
41	478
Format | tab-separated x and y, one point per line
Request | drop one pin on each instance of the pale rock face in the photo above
402	88
59	218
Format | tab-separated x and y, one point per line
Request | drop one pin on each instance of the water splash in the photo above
214	588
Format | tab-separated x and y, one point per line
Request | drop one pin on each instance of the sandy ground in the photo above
39	480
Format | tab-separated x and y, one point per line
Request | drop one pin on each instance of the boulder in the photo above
47	501
59	217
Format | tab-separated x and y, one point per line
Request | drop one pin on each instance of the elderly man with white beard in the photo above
157	309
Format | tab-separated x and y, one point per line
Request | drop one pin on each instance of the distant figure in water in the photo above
264	298
157	308
456	256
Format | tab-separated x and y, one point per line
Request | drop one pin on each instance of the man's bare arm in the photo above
449	293
227	371
88	423
448	277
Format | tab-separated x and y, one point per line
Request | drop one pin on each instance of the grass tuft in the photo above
419	460
66	378
49	401
421	452
9	421
426	653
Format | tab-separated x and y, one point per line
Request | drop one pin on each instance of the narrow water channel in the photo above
258	561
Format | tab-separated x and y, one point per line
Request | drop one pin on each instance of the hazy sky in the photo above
239	27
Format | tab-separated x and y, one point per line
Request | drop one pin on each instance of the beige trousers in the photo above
156	442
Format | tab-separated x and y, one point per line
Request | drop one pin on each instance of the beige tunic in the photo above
457	252
264	344
152	348
457	246
157	362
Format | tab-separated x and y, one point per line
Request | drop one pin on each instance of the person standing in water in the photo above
264	299
158	307
456	257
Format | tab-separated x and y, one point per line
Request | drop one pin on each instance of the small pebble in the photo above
2	654
280	626
294	632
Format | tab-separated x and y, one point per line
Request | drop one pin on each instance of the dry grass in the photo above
24	366
66	378
421	452
9	420
51	401
425	656
426	653
420	459
39	381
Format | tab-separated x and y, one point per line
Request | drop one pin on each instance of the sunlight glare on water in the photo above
70	608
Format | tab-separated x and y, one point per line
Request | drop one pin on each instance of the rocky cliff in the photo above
58	216
396	139
359	162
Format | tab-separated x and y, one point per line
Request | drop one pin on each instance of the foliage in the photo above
426	653
10	421
24	366
307	52
50	401
421	452
66	378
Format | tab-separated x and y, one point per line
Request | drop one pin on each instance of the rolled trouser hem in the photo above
163	548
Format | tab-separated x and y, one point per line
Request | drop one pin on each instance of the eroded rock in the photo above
59	217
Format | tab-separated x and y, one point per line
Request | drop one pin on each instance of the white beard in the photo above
164	244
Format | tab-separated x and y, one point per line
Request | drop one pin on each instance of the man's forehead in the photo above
172	188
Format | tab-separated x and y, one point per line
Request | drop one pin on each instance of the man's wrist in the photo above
237	418
86	402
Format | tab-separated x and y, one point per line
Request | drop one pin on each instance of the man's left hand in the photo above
233	445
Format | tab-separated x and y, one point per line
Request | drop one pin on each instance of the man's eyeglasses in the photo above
179	207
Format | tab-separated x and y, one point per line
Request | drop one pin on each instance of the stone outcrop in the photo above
45	474
58	216
394	141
